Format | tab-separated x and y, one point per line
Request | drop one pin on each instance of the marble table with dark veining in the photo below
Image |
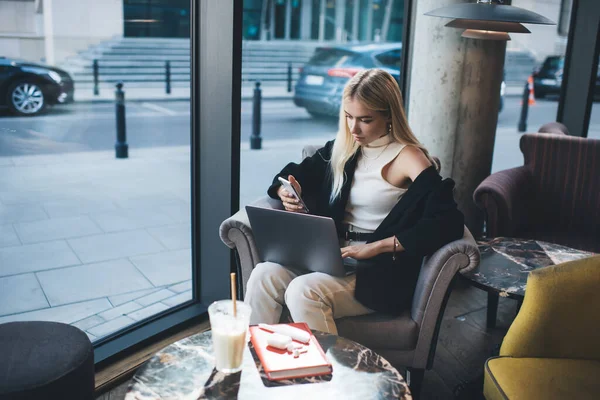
505	265
185	370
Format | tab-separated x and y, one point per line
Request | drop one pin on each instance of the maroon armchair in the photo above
554	197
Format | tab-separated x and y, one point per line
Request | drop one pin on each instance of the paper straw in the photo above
233	296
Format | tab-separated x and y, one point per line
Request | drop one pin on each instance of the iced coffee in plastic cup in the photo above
229	333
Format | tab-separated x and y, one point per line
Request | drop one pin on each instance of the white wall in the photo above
543	39
73	26
56	29
17	17
20	30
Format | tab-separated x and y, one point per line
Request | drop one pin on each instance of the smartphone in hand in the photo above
290	188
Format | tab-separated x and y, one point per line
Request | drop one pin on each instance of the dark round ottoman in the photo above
45	360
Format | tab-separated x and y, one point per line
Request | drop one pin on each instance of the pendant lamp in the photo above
489	20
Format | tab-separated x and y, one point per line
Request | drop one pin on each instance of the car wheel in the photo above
539	94
26	98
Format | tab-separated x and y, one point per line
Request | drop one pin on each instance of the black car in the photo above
547	79
322	80
26	88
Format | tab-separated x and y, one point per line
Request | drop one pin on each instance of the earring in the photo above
390	128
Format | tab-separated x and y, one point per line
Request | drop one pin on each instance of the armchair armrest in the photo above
433	289
236	233
504	196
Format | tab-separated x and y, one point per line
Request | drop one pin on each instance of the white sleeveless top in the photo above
371	196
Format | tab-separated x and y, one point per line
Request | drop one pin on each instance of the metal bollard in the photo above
121	147
95	70
524	109
168	77
255	139
289	77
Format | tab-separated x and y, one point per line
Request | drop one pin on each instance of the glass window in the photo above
305	110
95	225
156	18
532	74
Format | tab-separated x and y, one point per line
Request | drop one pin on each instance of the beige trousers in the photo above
315	298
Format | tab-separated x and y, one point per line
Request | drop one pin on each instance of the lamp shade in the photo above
485	20
488	25
485	11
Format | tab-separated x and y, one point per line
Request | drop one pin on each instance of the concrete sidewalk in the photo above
85	94
270	91
100	242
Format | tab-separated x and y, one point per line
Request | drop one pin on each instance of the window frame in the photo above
216	57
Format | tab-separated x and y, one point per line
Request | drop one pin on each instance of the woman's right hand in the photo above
289	201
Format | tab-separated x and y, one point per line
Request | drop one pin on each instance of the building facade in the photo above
53	30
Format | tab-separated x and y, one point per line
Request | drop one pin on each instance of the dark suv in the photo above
547	79
26	88
322	80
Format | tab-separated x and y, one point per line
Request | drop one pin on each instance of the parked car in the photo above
547	78
321	82
27	88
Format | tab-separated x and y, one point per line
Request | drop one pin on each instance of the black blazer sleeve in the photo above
440	223
310	173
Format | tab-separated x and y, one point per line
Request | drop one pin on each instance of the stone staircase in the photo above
518	65
140	62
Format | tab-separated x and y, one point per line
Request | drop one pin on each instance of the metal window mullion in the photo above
580	67
215	140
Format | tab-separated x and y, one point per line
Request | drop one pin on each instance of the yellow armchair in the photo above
552	349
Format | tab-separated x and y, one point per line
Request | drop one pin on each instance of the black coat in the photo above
424	219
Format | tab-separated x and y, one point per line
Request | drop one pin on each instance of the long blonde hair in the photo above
378	91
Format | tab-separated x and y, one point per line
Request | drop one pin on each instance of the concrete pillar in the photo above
475	131
369	28
322	14
263	20
305	19
272	20
386	20
288	19
49	32
454	87
355	24
340	16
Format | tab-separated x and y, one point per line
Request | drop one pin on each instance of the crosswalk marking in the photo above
156	107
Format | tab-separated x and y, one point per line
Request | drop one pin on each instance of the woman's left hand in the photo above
360	251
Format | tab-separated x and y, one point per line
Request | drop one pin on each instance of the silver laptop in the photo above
300	241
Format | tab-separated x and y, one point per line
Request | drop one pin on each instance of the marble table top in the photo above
184	370
506	262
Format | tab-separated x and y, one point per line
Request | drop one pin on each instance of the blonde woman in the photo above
390	205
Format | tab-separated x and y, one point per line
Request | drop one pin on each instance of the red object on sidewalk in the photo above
531	99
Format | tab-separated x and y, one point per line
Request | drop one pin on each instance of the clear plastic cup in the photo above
229	334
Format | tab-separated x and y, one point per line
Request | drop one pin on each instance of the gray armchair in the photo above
408	340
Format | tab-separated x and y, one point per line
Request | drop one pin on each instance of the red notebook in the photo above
279	364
